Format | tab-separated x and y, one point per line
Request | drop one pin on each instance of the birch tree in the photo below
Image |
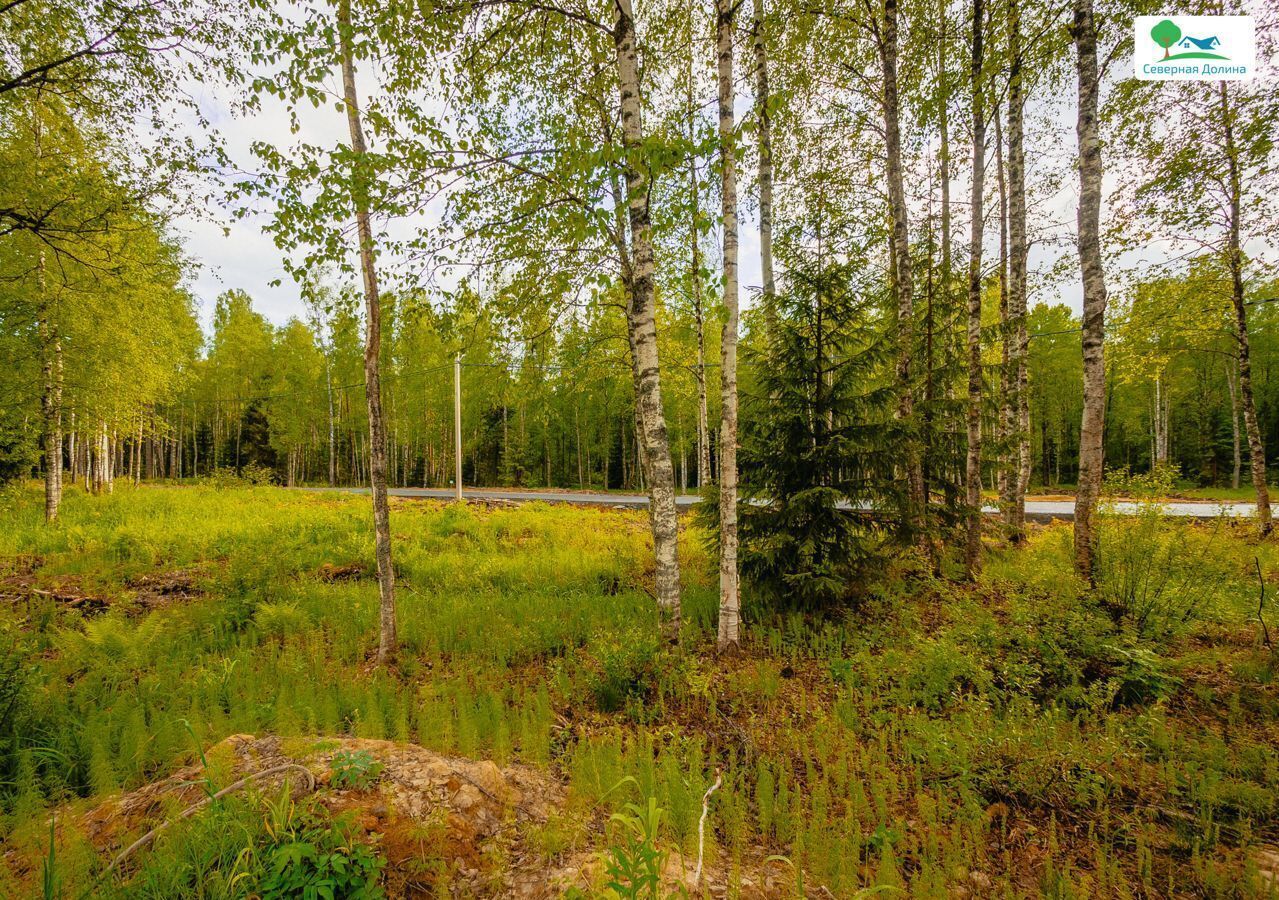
902	271
1019	479
1087	129
387	640
972	545
729	598
764	124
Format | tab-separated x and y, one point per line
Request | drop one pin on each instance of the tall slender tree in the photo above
729	596
764	122
1234	259
387	638
642	322
1017	258
972	545
1087	128
902	279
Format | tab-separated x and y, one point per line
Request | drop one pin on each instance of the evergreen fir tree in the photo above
821	449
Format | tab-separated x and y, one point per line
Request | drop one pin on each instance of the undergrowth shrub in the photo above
354	769
1155	572
625	670
281	619
317	857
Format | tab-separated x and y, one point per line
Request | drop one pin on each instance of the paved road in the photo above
1036	510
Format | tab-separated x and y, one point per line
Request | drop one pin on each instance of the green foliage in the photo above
248	475
356	770
282	619
19	451
49	874
635	862
316	860
880	745
627	668
1154	573
819	435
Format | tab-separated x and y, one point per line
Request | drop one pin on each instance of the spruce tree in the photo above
820	451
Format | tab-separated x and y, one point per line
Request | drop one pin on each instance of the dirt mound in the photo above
446	825
433	816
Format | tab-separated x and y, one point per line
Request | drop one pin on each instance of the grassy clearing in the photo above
1018	737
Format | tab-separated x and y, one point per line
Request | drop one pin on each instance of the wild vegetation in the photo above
1017	736
522	239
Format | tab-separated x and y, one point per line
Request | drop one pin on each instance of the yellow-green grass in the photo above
1017	737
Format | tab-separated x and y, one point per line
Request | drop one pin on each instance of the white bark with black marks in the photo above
387	637
638	275
729	594
1234	253
764	123
1087	129
1017	290
972	545
903	283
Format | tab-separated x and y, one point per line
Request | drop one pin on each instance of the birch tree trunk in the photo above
903	272
51	371
1256	450
1236	449
949	313
51	403
729	597
699	306
387	639
73	451
642	326
765	126
1161	421
136	462
1017	253
972	549
1004	423
1094	284
333	438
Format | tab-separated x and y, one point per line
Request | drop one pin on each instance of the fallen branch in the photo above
701	825
1261	605
192	810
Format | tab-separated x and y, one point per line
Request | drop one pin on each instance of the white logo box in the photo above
1195	48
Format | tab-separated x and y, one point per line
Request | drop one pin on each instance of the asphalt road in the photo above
1036	510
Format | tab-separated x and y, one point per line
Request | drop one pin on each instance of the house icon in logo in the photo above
1208	43
1167	33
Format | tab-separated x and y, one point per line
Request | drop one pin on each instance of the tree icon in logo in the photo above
1166	33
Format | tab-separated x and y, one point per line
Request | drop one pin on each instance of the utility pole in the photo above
457	425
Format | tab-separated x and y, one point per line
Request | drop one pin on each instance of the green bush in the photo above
249	475
357	770
281	619
318	858
626	668
1155	573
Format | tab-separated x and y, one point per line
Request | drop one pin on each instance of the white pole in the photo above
457	424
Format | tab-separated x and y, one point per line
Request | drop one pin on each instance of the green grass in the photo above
1018	737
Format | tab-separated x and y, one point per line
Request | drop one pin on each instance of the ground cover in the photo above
1016	737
